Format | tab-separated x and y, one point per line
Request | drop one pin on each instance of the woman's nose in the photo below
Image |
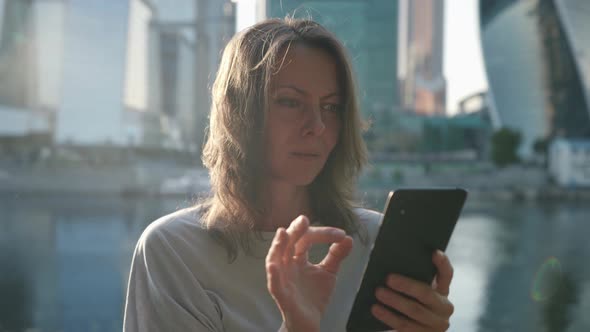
314	123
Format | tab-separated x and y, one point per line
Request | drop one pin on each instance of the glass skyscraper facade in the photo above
31	35
16	55
537	64
421	51
369	30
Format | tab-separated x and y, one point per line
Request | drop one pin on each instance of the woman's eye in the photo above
332	107
288	102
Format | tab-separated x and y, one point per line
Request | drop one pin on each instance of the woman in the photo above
284	149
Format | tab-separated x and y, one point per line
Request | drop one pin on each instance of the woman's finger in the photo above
395	321
274	262
315	235
444	274
413	309
277	248
274	282
420	291
338	251
296	229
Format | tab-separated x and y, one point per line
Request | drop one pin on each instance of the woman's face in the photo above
304	115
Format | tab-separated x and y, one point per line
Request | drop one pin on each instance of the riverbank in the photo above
483	181
517	183
147	178
542	194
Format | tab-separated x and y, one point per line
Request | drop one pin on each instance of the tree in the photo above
505	144
541	148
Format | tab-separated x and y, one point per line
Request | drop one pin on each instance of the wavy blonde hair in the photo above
234	146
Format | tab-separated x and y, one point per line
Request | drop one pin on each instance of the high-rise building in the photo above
121	73
421	56
16	52
536	56
215	25
105	64
186	43
171	74
368	29
171	81
80	66
29	79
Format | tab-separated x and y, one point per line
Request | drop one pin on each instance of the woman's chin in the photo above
298	180
303	181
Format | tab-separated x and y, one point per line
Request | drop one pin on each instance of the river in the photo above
64	262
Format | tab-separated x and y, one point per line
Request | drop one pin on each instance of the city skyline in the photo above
462	67
361	26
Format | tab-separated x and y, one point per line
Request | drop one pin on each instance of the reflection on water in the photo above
64	263
473	252
65	260
548	280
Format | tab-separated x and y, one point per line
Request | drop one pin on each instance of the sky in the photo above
463	66
463	63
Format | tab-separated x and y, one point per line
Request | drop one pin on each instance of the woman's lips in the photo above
305	155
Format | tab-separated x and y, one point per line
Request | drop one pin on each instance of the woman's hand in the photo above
301	289
429	310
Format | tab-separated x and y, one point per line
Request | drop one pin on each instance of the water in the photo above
64	263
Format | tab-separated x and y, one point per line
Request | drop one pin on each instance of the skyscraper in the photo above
29	79
67	64
101	84
537	64
421	56
16	54
171	82
214	26
368	29
188	37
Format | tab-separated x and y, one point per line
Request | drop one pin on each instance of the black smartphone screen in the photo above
416	222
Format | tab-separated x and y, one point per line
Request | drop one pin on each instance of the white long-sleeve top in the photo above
181	280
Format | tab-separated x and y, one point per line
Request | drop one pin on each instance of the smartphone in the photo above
415	223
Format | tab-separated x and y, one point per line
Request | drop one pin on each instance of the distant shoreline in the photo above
539	195
171	180
542	194
498	194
